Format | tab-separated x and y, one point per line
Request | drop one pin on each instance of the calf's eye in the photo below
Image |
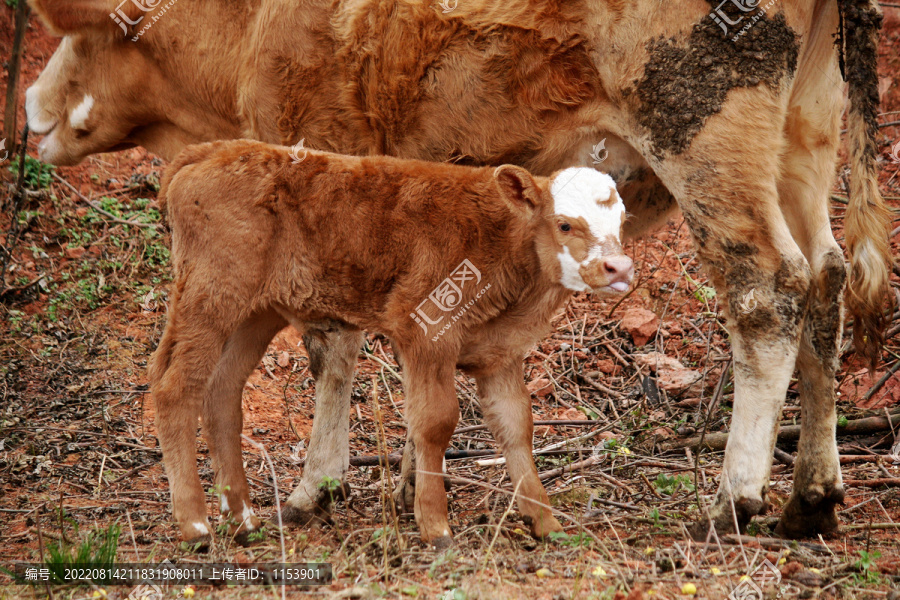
565	227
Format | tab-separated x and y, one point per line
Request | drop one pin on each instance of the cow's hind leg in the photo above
180	371
223	418
506	406
333	353
808	169
726	185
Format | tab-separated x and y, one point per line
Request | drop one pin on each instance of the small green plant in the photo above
38	175
668	485
868	570
842	421
654	514
96	551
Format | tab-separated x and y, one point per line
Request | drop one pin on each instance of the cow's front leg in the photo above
432	411
332	360
506	405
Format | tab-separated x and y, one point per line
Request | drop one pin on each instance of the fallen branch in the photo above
873	483
717	441
581	464
567	423
394	459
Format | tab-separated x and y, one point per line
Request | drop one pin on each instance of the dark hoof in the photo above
291	515
724	522
405	497
243	537
442	543
199	544
810	513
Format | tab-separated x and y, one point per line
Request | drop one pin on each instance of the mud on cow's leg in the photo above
727	187
818	489
333	354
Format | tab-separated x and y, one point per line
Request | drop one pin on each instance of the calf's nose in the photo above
619	270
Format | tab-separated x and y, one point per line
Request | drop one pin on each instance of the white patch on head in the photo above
583	192
39	120
78	118
571	275
224	504
201	528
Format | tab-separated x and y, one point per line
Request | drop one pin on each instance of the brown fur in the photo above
538	83
259	241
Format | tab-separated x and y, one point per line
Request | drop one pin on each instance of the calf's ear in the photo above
518	187
67	17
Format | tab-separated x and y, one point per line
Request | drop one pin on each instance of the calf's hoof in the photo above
723	519
811	512
542	528
199	544
442	543
405	495
242	535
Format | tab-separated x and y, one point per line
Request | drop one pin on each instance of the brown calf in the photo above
478	258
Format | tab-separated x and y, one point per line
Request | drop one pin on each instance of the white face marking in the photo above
78	118
571	276
201	528
577	192
39	120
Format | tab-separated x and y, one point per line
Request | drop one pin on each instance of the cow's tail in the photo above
188	156
867	221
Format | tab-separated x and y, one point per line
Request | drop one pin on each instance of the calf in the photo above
478	258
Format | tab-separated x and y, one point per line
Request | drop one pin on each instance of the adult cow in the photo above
723	110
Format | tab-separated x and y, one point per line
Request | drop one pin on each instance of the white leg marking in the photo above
201	528
757	407
246	516
224	504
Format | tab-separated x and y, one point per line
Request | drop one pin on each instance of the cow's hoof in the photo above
810	513
442	543
315	517
723	519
